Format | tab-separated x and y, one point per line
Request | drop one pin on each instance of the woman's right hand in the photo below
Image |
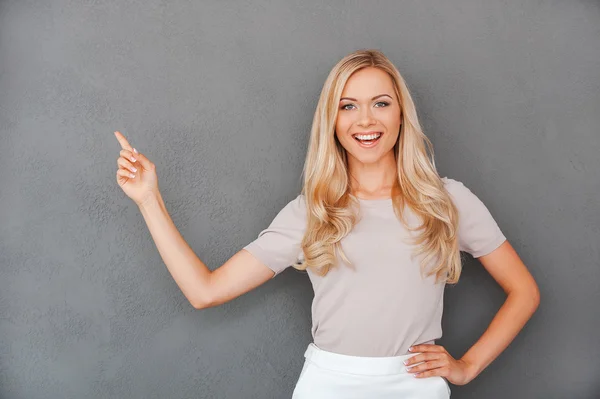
136	174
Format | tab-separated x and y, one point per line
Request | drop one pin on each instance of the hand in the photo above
136	174
437	361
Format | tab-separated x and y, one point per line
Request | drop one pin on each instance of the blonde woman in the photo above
379	233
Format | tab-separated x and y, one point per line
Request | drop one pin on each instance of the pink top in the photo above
383	306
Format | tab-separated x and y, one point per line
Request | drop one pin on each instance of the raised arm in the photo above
202	287
137	176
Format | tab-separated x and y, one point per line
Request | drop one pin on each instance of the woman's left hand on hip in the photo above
437	361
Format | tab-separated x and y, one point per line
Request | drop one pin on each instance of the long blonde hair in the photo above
330	214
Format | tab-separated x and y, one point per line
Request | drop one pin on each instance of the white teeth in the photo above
368	136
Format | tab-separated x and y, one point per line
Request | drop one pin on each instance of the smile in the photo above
368	140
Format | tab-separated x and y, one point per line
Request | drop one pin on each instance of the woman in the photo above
379	233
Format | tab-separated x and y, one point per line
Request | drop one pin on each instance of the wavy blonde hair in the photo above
331	207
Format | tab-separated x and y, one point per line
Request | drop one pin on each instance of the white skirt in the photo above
328	375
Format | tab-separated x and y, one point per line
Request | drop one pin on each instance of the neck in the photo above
373	180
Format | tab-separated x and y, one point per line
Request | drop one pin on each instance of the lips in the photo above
366	133
368	143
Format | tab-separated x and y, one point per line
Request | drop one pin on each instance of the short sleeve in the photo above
478	232
279	245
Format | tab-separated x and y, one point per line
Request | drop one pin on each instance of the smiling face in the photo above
369	110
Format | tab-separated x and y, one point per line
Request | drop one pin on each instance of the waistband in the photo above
357	364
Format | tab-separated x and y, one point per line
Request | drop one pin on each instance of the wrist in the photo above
472	368
151	201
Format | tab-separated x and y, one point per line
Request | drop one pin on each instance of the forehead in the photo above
368	82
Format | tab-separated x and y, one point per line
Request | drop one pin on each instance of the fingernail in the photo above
134	169
410	349
136	151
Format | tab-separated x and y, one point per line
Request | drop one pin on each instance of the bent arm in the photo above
523	299
202	287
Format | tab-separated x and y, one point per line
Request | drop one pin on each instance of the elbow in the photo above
203	301
533	295
202	297
536	296
198	305
529	297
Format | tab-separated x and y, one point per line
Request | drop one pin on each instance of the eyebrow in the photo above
374	98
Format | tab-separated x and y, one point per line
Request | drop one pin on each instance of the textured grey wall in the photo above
221	96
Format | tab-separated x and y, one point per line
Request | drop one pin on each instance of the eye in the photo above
385	104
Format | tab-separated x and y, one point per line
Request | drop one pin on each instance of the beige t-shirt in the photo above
383	305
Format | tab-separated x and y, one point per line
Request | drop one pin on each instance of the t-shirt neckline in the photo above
374	202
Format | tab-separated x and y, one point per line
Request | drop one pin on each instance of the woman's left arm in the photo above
523	298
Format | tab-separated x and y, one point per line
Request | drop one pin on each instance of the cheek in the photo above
342	126
391	121
394	119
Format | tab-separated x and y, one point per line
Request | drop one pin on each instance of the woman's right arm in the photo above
202	287
136	175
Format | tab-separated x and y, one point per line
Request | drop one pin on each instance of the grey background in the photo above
220	96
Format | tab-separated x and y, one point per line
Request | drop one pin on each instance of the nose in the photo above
365	117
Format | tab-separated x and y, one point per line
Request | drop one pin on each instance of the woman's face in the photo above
368	109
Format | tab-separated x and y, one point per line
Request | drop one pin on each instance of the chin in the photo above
368	159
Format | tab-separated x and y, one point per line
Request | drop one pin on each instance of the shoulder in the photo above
298	204
457	189
452	185
461	195
294	210
478	232
468	203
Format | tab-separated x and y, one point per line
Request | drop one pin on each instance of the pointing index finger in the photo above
123	141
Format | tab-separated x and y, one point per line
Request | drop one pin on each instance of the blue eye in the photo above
385	104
